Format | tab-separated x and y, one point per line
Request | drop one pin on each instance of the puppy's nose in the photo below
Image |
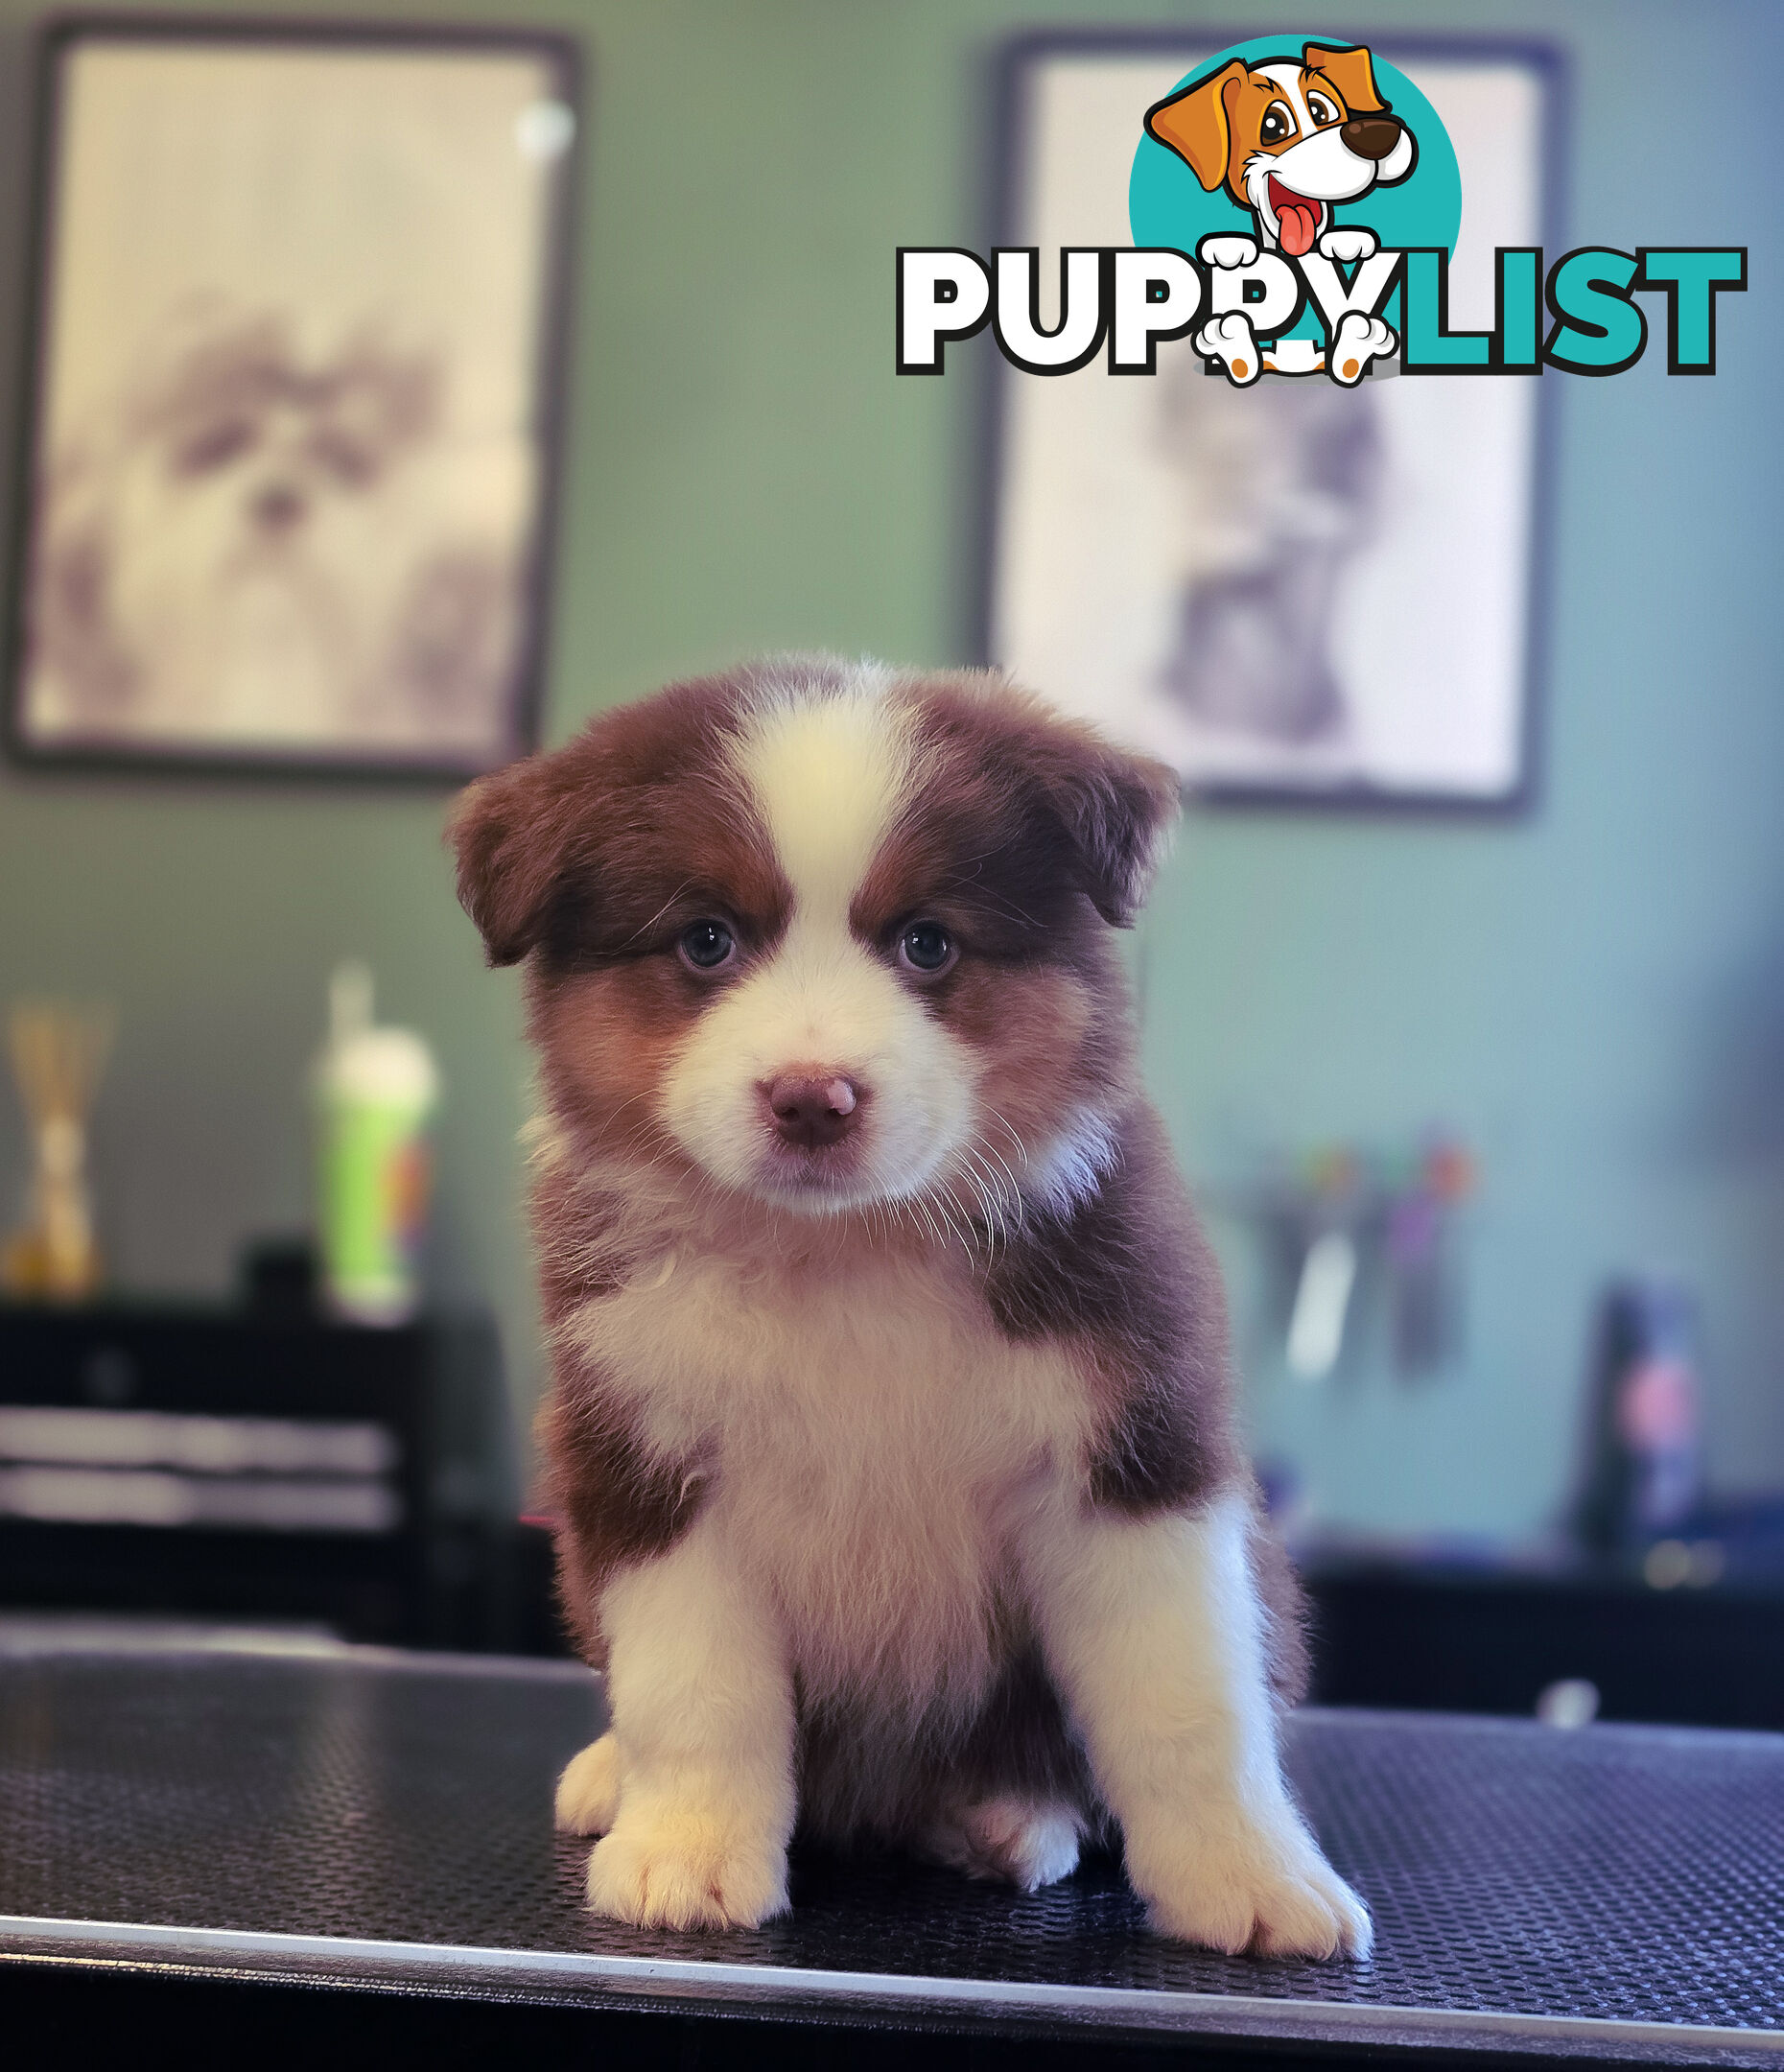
1371	136
277	507
810	1111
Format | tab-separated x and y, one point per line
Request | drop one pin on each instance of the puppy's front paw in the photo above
588	1793
1358	340
1230	338
1259	1885
1228	253
686	1871
1347	246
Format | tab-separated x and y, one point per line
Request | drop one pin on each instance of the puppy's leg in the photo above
588	1793
1230	339
1358	340
1017	1841
1347	245
703	1709
1153	1628
1231	252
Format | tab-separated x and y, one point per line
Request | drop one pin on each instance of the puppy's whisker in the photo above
920	1208
990	1209
1008	1128
987	1149
979	1151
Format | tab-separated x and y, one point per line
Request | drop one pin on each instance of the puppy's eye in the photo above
214	447
1277	123
706	945
1321	109
925	946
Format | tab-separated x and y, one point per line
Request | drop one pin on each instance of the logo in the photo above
1295	204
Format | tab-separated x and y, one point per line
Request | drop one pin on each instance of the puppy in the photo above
1287	141
891	1437
258	543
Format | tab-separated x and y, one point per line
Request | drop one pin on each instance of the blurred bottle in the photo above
58	1052
1644	1463
376	1090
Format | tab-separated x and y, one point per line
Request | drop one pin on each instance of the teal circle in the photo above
1166	205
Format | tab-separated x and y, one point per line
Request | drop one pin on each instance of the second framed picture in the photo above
300	314
1295	592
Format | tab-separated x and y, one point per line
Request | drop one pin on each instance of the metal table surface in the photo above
370	1819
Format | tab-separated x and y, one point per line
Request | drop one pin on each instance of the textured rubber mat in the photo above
1621	1876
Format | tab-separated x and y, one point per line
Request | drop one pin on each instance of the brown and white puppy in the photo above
891	1435
1288	140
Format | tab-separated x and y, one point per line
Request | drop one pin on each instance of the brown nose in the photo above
278	508
810	1112
1371	136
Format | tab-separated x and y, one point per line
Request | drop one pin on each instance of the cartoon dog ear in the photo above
513	832
1193	123
1350	71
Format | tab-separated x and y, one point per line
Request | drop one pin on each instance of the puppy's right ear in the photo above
1193	122
512	831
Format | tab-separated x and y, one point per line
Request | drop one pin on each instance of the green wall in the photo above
1595	998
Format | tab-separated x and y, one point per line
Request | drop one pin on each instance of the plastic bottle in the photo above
1644	1464
376	1091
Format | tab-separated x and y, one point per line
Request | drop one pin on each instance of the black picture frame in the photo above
564	65
1012	63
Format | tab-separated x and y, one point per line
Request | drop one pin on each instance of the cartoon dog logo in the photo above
1289	141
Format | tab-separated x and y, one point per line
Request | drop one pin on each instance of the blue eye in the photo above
706	945
926	945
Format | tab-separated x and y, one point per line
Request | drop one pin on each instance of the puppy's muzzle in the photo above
1371	136
812	1111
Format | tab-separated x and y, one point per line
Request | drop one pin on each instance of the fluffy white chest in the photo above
874	1439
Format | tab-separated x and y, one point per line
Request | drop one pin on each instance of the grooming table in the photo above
259	1839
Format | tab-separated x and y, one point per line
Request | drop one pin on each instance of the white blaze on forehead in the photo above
827	773
1288	78
827	776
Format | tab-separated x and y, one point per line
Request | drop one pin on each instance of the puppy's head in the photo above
237	420
830	937
1288	139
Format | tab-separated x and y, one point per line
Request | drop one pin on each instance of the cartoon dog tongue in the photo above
1298	220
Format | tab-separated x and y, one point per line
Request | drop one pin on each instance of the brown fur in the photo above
613	1503
1129	1275
594	853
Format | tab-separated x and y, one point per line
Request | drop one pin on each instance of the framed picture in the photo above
1295	593
295	396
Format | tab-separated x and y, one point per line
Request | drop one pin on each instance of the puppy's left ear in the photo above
513	832
1118	811
1350	71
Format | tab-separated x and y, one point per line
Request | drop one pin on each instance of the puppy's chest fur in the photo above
869	1443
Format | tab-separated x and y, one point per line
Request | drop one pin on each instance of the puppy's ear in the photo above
1119	811
1350	71
512	831
1195	124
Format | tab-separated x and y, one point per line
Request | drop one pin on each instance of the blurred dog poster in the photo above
1294	592
298	305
